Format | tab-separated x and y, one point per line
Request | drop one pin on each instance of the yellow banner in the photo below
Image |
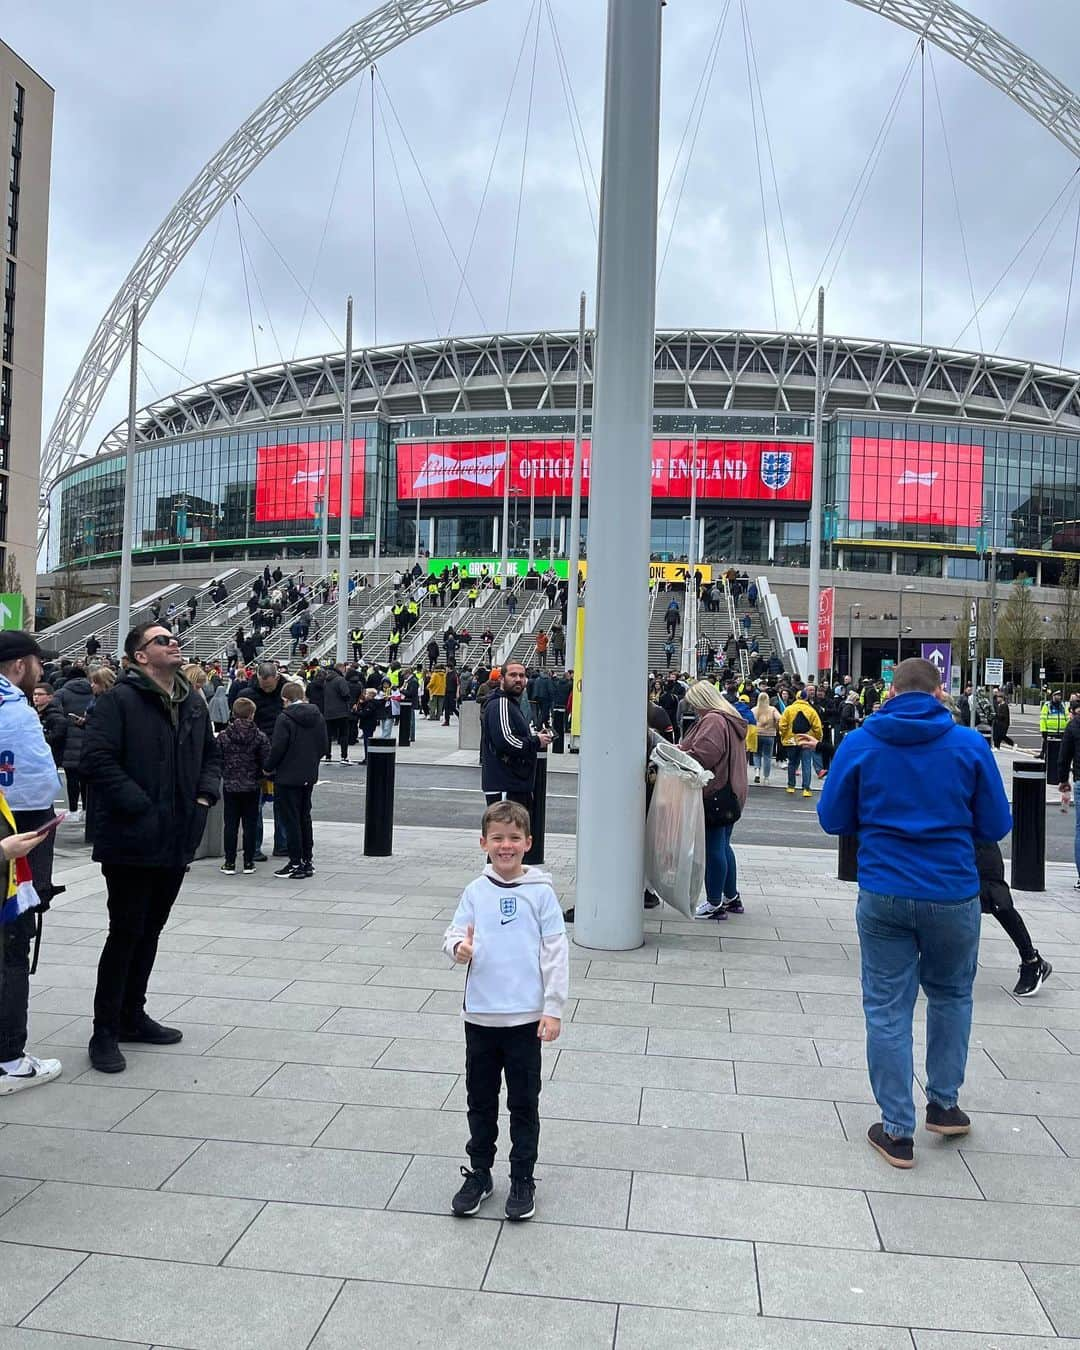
579	664
678	572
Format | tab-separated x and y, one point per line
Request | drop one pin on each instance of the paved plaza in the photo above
281	1180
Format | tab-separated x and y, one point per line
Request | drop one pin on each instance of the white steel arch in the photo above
945	24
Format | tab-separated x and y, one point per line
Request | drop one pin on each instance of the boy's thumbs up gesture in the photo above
463	952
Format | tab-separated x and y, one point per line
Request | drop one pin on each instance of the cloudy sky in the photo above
146	93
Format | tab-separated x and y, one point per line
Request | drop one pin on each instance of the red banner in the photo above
826	606
726	470
289	480
916	482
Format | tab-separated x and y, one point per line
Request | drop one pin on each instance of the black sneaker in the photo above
260	857
249	869
896	1152
475	1189
229	868
734	905
289	870
946	1119
303	872
520	1202
105	1055
149	1032
1032	975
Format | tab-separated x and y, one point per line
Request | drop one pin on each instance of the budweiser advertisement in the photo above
727	470
826	608
915	482
289	480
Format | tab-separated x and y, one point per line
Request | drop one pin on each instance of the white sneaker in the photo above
30	1073
707	909
78	817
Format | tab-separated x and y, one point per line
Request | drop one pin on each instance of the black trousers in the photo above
16	939
74	789
294	803
139	901
357	651
337	729
491	1052
241	808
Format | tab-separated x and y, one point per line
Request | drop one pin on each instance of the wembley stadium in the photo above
931	457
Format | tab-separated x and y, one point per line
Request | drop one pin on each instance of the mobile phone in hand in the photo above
50	825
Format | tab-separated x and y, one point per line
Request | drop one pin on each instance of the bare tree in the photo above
1066	640
1019	631
12	585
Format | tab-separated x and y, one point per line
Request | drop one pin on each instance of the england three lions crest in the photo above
776	466
508	906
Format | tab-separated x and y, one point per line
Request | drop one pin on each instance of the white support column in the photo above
772	538
813	602
574	553
123	619
610	880
344	550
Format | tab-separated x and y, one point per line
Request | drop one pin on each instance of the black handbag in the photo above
722	806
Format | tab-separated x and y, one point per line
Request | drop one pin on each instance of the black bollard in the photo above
538	814
379	804
847	863
1050	754
558	730
1029	826
405	725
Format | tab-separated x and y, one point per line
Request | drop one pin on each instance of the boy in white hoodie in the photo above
509	930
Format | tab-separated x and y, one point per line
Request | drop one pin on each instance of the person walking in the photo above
154	767
717	740
244	751
1000	724
73	700
767	720
800	733
450	698
918	911
300	741
1053	718
1069	763
542	641
672	618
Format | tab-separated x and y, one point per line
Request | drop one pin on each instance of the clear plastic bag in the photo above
675	829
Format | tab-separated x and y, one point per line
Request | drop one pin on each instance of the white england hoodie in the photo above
520	970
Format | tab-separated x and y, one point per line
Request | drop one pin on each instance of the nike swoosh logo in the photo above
502	921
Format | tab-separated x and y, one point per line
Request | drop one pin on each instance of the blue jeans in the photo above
799	755
721	875
763	758
905	944
1076	844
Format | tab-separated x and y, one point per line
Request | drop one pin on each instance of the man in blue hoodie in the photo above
919	791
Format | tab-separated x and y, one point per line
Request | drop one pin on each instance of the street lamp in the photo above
850	666
900	625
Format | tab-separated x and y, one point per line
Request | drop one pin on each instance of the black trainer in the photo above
520	1202
475	1189
896	1152
1032	975
289	870
149	1032
734	905
105	1055
946	1119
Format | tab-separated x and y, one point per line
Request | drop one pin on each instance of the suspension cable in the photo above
575	130
1068	297
710	60
202	288
490	172
374	235
408	216
1017	255
760	175
524	161
326	225
956	198
158	357
772	162
1039	262
266	307
882	132
143	372
564	66
431	200
693	140
247	288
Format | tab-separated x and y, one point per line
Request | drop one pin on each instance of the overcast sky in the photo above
146	93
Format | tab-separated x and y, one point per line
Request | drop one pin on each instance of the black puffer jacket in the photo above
268	706
147	773
73	700
244	752
338	697
299	744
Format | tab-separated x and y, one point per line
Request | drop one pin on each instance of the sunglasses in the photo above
162	640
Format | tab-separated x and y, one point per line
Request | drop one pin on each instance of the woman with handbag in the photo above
717	740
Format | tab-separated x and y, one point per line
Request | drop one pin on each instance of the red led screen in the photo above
289	480
915	482
726	470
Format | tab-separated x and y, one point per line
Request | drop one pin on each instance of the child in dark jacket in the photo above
995	898
244	752
299	745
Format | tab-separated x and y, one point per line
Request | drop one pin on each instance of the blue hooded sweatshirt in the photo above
918	790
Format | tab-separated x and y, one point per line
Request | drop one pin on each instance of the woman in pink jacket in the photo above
717	740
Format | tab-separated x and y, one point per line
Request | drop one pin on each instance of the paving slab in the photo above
31	1274
647	1328
287	1172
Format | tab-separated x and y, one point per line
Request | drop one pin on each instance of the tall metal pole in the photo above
993	601
575	498
689	661
378	509
610	880
324	544
417	554
123	618
504	537
551	537
344	558
532	511
900	629
814	597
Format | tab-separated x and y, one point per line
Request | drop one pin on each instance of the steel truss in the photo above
710	371
943	23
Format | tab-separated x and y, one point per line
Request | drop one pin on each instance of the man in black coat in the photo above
299	743
264	690
508	744
150	753
338	700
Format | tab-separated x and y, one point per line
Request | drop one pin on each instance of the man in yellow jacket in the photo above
437	690
800	731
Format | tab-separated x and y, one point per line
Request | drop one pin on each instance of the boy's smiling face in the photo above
506	844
